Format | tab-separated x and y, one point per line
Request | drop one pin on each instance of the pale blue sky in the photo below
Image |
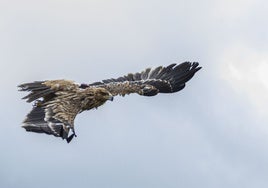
214	133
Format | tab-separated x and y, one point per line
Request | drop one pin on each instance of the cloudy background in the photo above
214	133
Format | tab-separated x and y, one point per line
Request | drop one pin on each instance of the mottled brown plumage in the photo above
57	102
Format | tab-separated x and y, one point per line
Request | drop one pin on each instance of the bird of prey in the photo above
57	102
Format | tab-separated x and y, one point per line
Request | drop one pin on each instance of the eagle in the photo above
57	102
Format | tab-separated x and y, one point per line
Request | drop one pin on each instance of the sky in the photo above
213	133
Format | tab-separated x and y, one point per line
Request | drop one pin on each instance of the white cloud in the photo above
245	70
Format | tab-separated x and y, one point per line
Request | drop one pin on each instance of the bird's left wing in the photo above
150	82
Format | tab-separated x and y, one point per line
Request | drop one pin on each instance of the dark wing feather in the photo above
152	81
37	90
43	120
46	89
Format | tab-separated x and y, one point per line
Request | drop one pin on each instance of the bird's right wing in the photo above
46	89
150	82
55	113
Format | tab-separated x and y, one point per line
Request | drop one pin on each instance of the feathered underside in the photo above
57	102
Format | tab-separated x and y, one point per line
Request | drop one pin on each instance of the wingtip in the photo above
24	126
21	87
195	66
69	139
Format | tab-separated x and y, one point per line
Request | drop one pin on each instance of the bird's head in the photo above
103	95
94	97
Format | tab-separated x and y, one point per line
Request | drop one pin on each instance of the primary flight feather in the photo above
57	102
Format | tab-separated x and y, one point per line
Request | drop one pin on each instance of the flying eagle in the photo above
57	102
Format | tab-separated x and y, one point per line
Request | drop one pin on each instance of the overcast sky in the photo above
214	133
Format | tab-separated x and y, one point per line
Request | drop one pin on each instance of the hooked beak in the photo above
111	98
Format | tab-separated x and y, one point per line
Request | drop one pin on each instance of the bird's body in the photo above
57	102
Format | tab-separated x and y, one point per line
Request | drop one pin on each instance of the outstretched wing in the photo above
46	89
57	102
150	82
52	112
